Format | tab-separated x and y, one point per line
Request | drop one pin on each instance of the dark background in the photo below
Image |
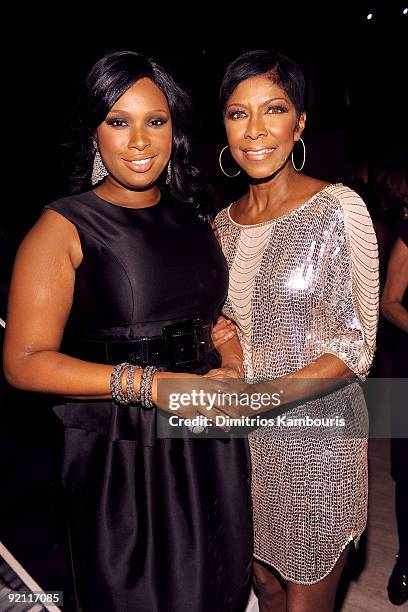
355	69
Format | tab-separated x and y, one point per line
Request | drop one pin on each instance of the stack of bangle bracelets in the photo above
145	389
129	396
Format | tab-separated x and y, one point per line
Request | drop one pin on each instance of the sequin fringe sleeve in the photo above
354	282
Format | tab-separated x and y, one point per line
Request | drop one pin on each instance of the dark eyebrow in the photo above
263	103
123	112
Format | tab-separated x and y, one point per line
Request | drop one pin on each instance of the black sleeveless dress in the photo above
157	525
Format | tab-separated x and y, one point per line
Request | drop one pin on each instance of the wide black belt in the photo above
181	346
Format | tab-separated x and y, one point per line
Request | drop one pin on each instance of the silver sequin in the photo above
303	285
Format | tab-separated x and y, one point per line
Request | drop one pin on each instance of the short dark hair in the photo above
280	69
109	78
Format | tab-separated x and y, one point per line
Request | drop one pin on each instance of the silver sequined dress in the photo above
303	285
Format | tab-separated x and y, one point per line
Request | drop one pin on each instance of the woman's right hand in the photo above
223	331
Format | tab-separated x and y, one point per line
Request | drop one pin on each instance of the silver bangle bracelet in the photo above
130	384
146	382
115	383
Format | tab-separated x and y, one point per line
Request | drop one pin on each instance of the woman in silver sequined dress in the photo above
303	293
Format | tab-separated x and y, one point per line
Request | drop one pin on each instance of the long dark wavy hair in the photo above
109	78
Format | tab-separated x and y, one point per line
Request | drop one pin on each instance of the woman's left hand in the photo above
225	372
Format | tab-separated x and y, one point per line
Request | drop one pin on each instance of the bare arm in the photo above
40	300
322	376
395	287
317	378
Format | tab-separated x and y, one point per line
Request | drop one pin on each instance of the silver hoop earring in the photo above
220	163
98	169
168	176
304	156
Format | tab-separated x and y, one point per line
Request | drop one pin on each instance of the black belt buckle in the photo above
152	350
187	344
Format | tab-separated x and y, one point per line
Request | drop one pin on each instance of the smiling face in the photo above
136	136
262	125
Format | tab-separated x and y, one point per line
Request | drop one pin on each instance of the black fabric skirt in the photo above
157	525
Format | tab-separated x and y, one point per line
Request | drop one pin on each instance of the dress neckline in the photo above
98	198
288	214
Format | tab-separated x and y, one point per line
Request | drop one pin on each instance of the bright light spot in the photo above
369	16
405	11
300	278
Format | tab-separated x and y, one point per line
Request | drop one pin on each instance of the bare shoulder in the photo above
53	236
309	186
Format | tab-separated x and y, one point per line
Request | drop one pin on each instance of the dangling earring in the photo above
304	156
168	177
98	170
220	163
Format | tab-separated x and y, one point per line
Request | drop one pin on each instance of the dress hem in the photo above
352	538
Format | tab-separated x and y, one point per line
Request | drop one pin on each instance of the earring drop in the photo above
98	169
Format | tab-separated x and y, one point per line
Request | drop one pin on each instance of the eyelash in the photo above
122	123
158	121
277	110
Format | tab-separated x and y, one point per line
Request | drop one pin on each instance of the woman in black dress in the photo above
394	306
130	271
